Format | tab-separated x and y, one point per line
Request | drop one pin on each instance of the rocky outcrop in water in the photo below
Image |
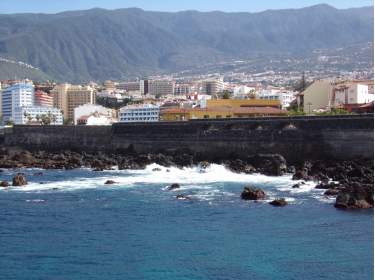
19	180
4	184
173	187
251	193
281	202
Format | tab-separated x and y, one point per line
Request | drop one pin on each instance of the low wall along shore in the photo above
296	138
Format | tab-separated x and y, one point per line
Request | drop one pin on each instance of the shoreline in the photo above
351	182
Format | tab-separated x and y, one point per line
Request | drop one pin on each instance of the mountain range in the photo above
101	44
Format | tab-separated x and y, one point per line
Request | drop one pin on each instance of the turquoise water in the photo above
138	230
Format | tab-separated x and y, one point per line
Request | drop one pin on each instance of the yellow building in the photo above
225	108
67	97
236	103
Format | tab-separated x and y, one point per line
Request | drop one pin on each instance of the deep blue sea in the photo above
74	227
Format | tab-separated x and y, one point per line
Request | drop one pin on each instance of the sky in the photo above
54	6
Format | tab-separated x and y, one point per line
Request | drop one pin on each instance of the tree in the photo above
302	84
226	94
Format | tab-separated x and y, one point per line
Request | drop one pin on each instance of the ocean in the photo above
73	226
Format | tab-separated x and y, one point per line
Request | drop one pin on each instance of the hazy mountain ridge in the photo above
101	44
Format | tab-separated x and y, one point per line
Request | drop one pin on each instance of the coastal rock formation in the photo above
356	196
173	187
182	197
4	184
332	192
269	164
110	182
279	202
251	193
19	180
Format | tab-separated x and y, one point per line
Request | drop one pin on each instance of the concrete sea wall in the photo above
296	138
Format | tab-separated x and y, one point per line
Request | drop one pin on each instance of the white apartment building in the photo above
36	114
139	113
87	110
284	96
352	93
15	96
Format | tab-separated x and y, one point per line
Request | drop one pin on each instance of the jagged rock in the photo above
110	182
4	184
173	187
156	169
250	193
296	186
331	192
269	164
19	180
301	174
356	196
279	202
182	197
239	166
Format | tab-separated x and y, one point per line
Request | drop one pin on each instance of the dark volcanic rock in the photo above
250	193
110	182
182	197
19	180
332	192
240	166
4	184
173	187
296	186
356	196
269	164
279	202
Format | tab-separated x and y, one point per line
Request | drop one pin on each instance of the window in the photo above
206	116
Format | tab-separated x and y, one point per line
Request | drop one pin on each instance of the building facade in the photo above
139	113
38	115
349	94
161	87
87	110
43	99
66	97
212	87
285	97
15	96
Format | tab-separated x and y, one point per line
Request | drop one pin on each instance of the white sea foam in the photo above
202	184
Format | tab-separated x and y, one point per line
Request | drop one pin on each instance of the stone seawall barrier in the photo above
296	138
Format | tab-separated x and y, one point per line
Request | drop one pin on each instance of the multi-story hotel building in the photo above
161	87
38	115
66	97
43	99
15	96
139	113
212	87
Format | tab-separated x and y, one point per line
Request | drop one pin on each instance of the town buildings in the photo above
38	115
92	114
66	97
14	97
139	113
213	86
43	99
224	108
284	96
161	87
330	94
